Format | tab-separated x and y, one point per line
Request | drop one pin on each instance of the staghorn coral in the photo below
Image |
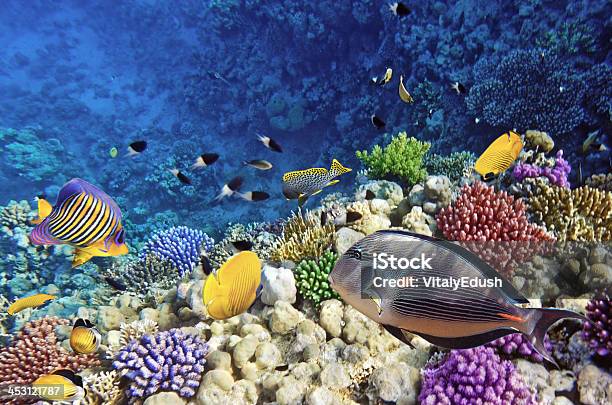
180	245
402	158
455	166
303	237
556	171
35	351
170	360
474	376
311	278
598	331
102	388
600	181
581	214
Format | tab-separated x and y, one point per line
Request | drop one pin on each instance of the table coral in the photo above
311	278
402	158
471	376
180	245
34	351
581	214
170	360
303	237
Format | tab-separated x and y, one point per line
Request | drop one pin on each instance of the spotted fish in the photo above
84	217
431	304
500	155
301	184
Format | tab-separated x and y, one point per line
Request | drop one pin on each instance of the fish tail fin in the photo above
80	257
337	169
547	317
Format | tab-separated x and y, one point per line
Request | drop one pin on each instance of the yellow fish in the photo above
84	338
500	155
44	209
301	184
403	93
388	75
233	289
32	301
113	152
60	385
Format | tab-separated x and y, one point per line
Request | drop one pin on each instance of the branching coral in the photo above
528	89
34	351
170	360
556	172
255	233
303	237
103	388
454	166
600	181
517	344
581	214
473	376
598	331
311	278
133	330
402	158
180	245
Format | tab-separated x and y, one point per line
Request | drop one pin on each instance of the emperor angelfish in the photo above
84	217
301	184
429	305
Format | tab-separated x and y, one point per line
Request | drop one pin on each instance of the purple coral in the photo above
597	331
474	376
179	245
170	360
556	175
517	344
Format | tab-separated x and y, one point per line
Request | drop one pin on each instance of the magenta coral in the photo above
517	344
556	175
482	214
474	376
597	331
35	351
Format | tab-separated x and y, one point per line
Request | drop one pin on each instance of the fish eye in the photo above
120	238
354	253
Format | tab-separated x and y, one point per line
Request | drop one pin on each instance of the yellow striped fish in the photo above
32	301
500	155
84	338
233	289
84	217
301	184
60	385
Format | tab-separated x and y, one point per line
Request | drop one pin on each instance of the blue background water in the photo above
89	76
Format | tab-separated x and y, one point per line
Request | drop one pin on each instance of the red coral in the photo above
494	226
35	351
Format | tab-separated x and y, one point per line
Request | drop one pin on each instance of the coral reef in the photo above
374	215
516	344
102	388
540	140
556	172
600	181
311	278
34	352
303	237
401	159
170	360
473	375
455	166
597	332
179	245
255	233
581	214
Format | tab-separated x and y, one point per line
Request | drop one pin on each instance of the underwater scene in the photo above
306	202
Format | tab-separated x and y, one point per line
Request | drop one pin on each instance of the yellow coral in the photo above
600	181
373	218
582	214
540	139
303	237
102	388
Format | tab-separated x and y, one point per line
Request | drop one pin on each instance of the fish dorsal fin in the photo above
71	188
77	185
80	323
69	375
484	268
44	210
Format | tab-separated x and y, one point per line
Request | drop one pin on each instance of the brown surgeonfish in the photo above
438	290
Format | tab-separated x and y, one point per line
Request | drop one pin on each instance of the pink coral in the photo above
34	351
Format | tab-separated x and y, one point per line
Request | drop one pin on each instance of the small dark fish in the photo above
270	143
254	195
459	88
242	245
230	188
399	9
377	122
136	148
352	216
116	284
370	195
434	301
282	367
205	159
216	75
179	175
206	266
259	164
323	218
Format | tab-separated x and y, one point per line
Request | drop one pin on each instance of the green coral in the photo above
454	166
312	278
402	158
569	39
